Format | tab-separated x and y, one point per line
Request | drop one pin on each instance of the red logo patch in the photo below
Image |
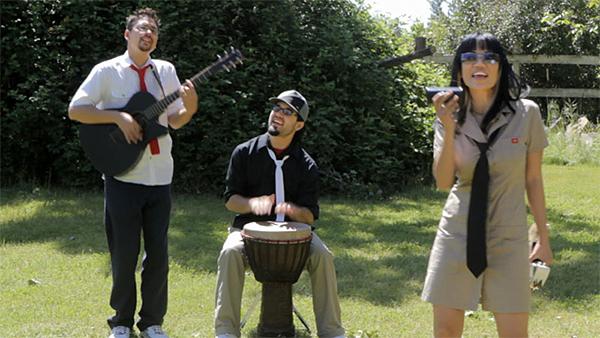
515	140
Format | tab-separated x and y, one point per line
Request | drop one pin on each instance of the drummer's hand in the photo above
295	212
262	205
286	208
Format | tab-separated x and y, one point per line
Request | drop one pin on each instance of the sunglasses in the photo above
285	111
144	28
489	58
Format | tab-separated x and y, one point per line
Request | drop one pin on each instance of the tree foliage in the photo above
367	128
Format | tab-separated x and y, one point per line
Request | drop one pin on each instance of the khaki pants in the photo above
230	283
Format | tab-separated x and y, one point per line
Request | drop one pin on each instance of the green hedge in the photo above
367	129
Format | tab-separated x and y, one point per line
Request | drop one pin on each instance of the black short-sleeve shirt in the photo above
251	173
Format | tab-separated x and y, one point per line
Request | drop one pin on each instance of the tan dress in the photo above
503	286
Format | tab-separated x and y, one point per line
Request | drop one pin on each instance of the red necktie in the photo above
154	148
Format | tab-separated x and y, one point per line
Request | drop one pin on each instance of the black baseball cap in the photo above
295	100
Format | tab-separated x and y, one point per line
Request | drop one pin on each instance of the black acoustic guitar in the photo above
105	144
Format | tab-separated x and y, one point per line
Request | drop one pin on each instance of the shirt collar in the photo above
263	142
501	120
471	126
128	61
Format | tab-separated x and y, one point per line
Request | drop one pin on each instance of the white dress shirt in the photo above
110	85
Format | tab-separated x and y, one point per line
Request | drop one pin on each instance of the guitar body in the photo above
105	145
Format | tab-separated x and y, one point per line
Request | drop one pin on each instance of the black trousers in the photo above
131	210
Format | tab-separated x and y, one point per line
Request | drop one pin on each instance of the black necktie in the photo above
476	246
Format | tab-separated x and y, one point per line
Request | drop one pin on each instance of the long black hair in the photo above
509	87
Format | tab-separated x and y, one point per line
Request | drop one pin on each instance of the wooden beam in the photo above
525	58
399	60
565	92
557	59
439	58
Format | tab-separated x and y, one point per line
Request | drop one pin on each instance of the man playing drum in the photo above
252	192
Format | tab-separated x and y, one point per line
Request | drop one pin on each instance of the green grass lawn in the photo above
55	275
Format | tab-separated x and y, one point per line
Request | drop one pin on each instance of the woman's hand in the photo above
542	251
446	103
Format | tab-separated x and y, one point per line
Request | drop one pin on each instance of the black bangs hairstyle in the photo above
508	88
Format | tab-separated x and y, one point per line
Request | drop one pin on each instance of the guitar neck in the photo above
160	106
229	61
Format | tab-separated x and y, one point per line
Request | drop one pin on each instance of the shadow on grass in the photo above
73	222
300	333
381	257
573	277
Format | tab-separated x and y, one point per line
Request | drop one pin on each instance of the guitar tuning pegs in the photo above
226	68
218	56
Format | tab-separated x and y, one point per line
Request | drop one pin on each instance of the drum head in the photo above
277	231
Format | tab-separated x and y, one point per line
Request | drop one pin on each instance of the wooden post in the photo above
516	66
420	43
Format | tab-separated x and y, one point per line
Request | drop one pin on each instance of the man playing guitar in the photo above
140	198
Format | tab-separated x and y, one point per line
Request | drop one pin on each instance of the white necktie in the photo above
279	186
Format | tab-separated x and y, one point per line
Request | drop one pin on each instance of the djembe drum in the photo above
277	253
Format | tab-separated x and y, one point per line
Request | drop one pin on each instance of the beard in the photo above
144	47
273	131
